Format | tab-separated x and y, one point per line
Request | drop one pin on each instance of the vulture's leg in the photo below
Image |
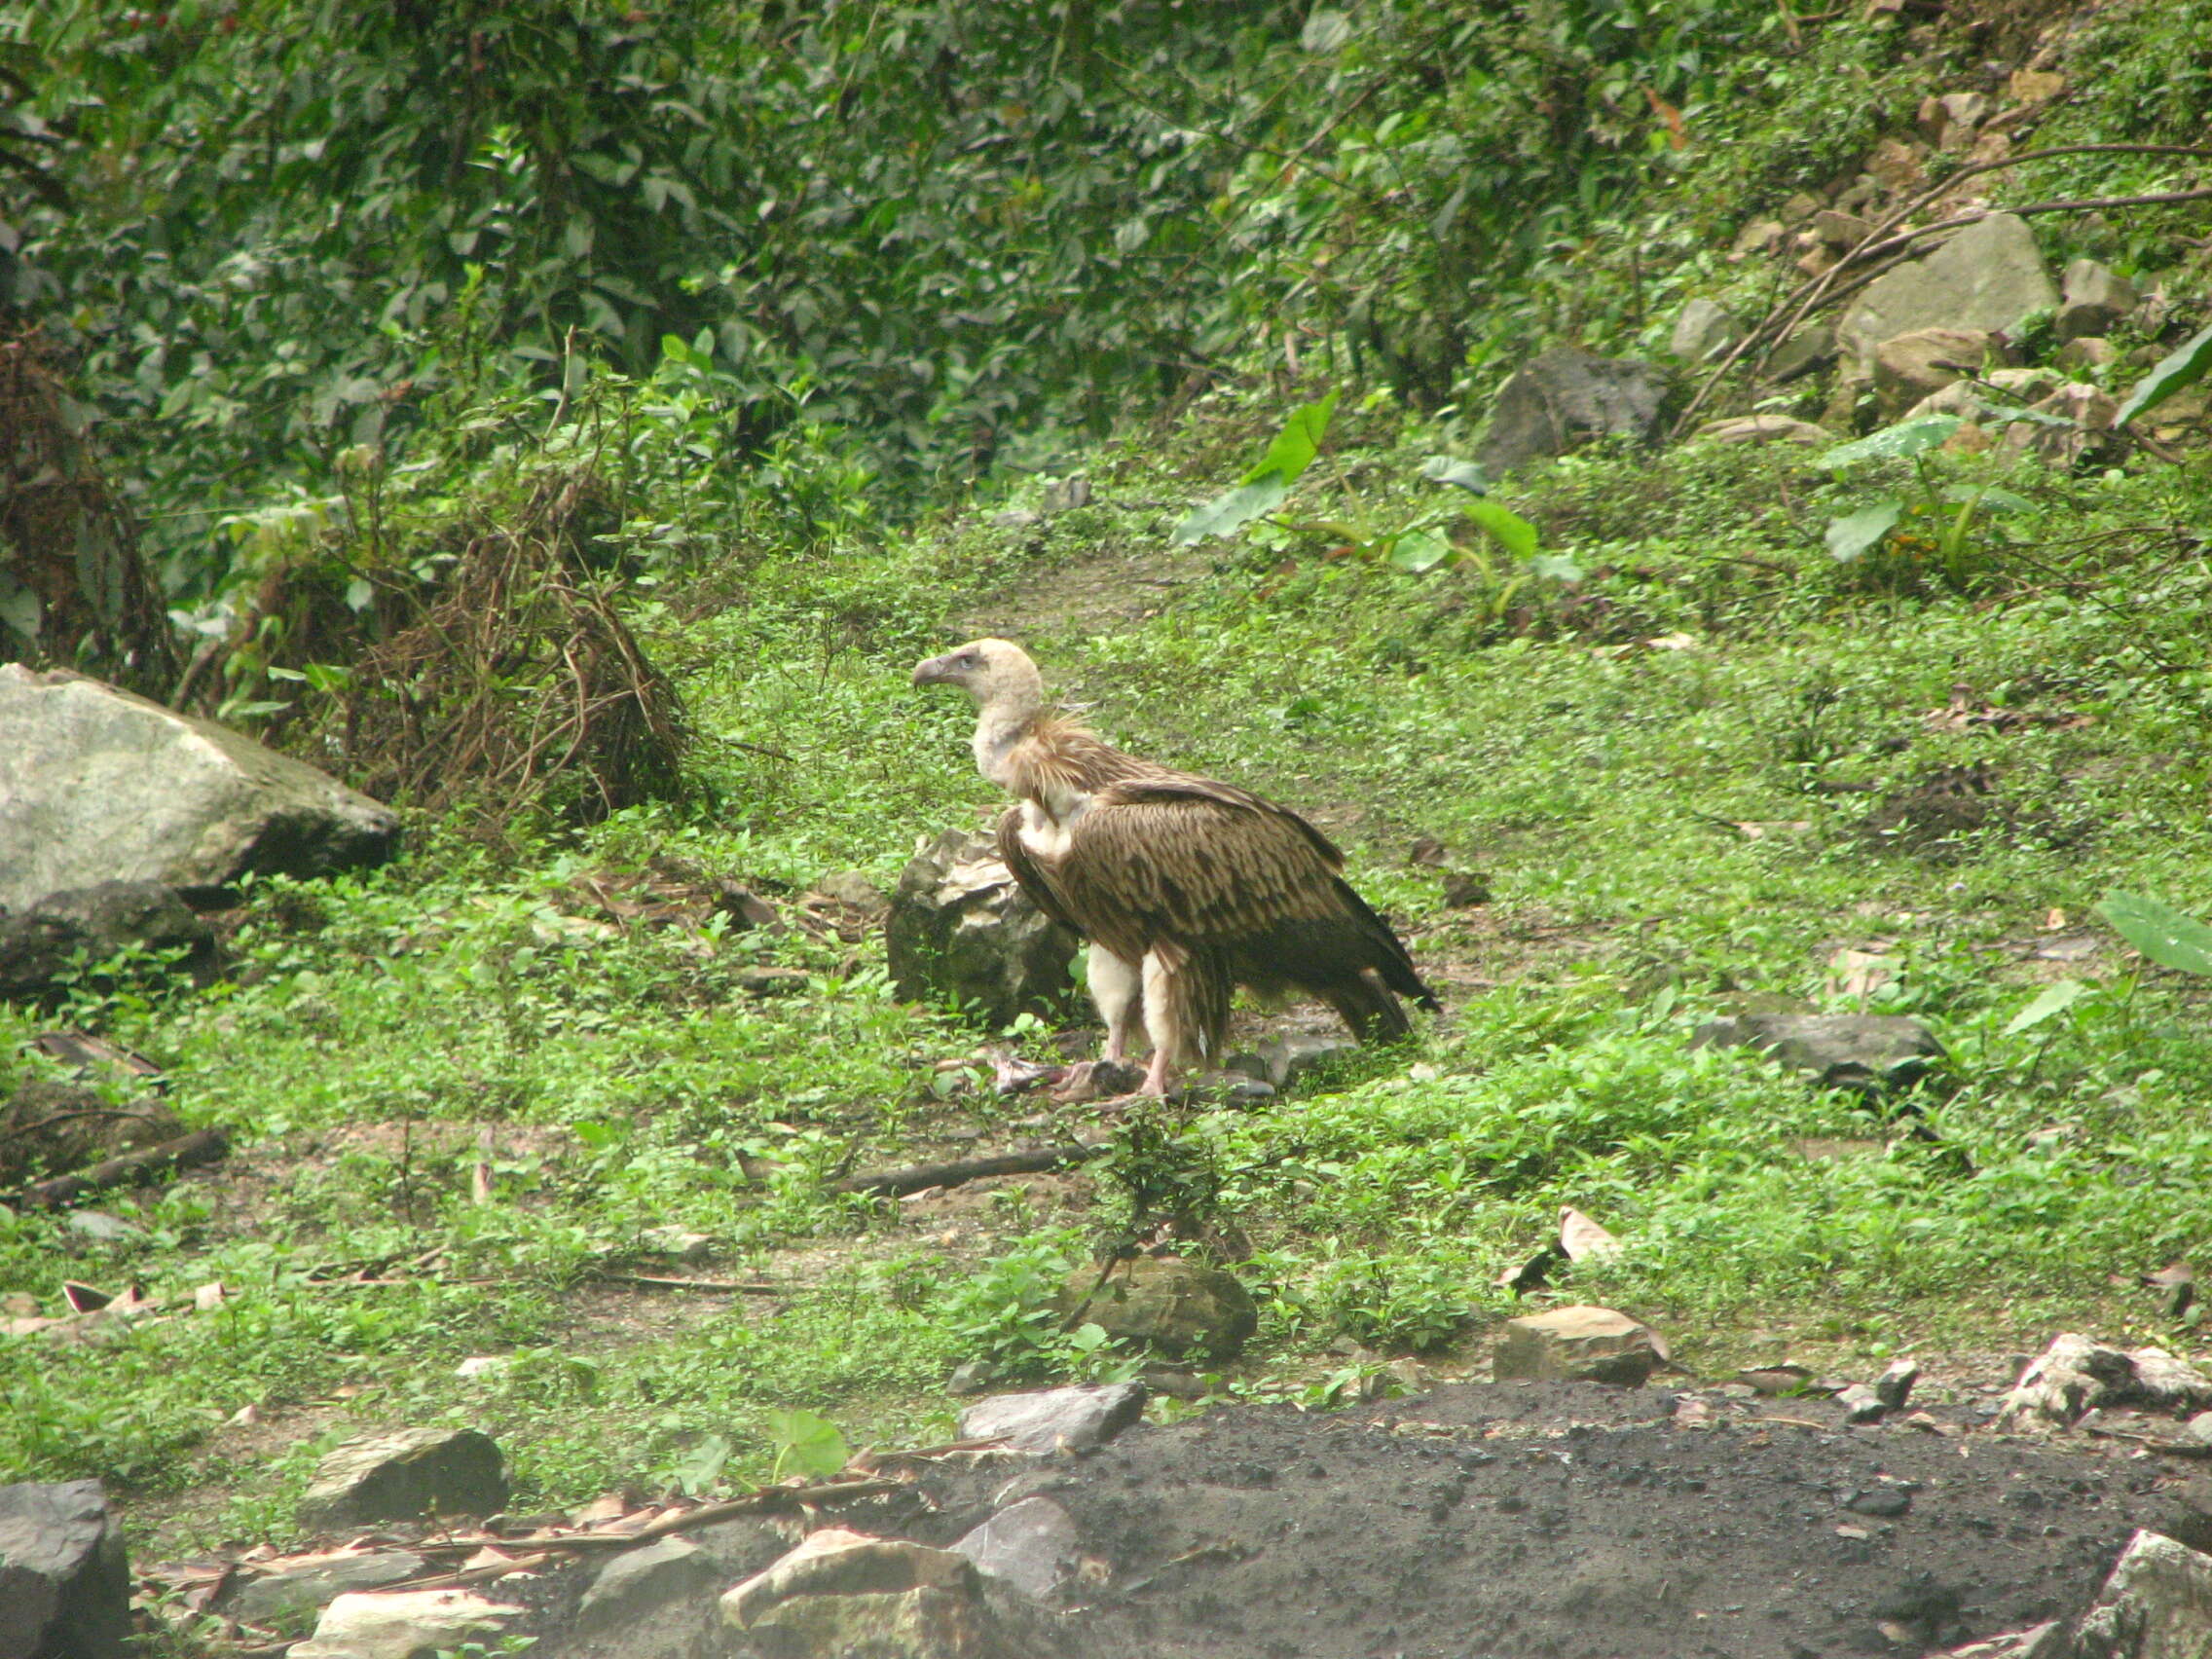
1163	1020
1117	987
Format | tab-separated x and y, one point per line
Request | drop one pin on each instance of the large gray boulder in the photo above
98	785
1990	276
961	927
64	1581
2156	1605
1081	1417
1564	398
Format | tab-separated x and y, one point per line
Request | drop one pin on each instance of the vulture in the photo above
1184	887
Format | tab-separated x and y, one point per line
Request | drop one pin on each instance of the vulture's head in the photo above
997	672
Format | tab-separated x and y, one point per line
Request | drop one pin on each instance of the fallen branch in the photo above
919	1177
186	1152
735	1287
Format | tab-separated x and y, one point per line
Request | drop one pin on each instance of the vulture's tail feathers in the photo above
1392	960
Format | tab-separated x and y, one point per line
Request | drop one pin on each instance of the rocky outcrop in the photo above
99	786
64	1580
961	930
1561	400
1989	276
846	1593
2078	1373
404	1624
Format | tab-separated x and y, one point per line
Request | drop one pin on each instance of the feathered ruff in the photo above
1228	887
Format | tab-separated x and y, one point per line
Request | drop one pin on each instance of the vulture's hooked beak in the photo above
935	671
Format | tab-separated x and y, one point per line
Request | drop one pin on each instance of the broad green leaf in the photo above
1907	437
2160	933
806	1443
2055	999
2184	366
1513	532
2003	500
1297	444
1227	514
1852	535
1557	565
1449	469
1419	550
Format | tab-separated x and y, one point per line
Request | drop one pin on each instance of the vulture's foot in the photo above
1096	1080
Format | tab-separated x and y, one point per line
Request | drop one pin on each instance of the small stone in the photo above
678	1243
1840	231
1894	1386
2076	1375
2199	1427
310	1584
1860	1404
2096	300
1164	1303
1077	1418
1577	1344
2084	352
2088	412
483	1365
635	1589
97	1227
1808	345
1064	494
402	1624
972	1378
64	1579
1800	208
2034	85
1703	331
1016	518
1884	1504
855	890
403	1475
772	981
1287	1060
1225	1087
1033	1545
1756	236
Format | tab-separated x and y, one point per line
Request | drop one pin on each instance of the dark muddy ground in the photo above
1531	1521
1526	1521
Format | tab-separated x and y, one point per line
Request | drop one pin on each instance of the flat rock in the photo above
2076	1374
640	1598
1764	429
1808	345
1165	1303
2155	1605
1990	276
64	1579
1032	1545
961	930
402	1624
1075	1418
1577	1344
98	785
309	1585
1871	1053
1559	400
403	1475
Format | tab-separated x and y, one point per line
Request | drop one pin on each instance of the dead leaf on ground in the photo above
1965	712
1583	1239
